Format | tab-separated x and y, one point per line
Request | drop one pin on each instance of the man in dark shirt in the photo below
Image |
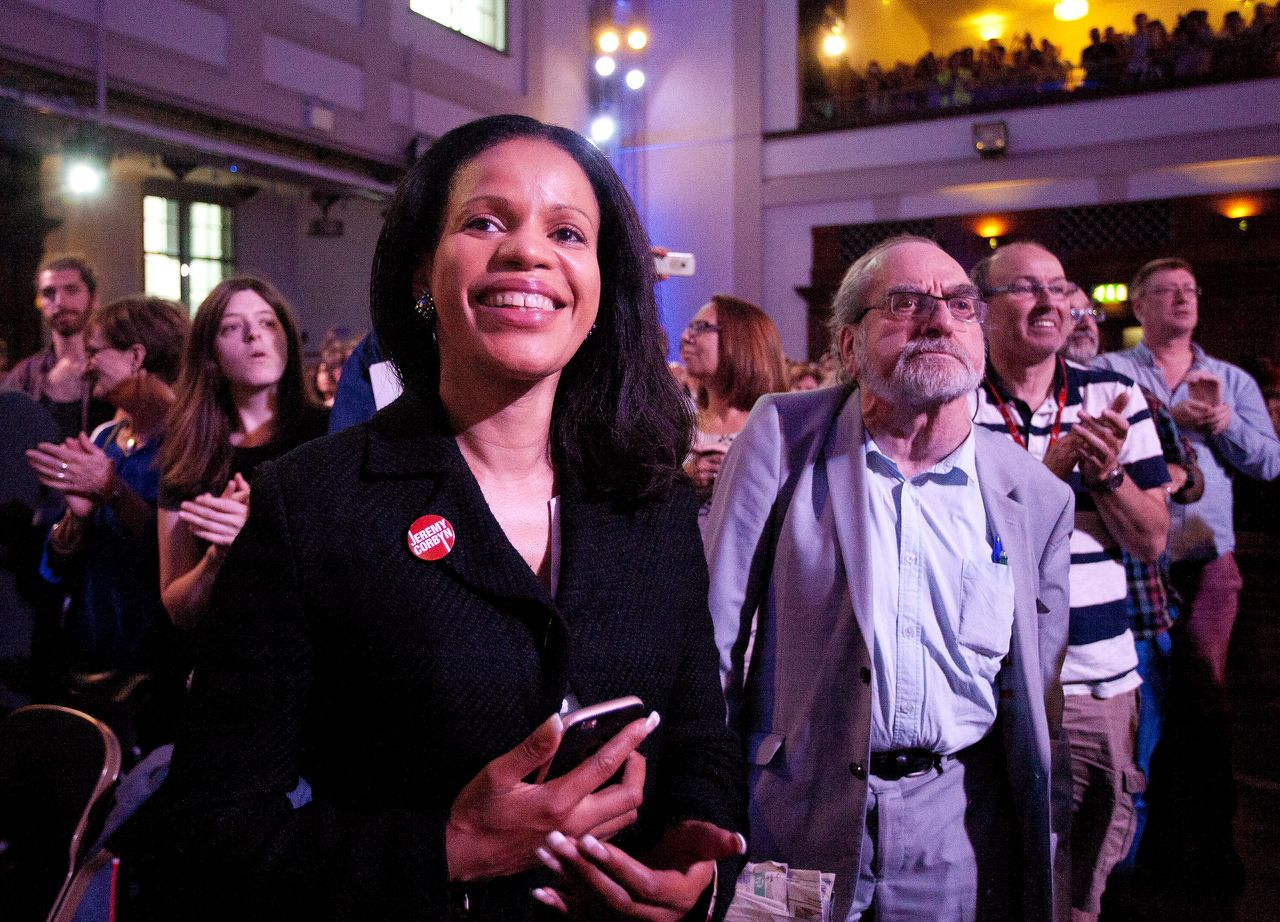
66	292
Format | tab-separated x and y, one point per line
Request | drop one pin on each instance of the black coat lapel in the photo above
411	441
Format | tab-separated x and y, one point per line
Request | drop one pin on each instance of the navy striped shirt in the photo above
1100	655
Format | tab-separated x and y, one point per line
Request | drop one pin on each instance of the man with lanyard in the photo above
1090	428
66	291
1219	407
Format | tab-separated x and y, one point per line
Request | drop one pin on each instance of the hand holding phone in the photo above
587	729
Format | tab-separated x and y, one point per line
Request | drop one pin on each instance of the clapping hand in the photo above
218	519
77	468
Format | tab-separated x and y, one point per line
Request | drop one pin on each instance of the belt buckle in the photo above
902	760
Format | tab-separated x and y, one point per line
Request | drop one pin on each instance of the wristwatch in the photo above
1108	483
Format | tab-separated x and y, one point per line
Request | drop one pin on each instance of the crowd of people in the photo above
1151	56
935	588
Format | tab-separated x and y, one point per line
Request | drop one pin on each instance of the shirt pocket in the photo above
986	614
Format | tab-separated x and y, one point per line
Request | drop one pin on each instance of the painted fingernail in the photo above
542	896
742	843
594	848
548	859
653	721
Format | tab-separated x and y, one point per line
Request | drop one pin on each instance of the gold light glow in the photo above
992	227
989	26
834	44
1070	10
637	39
1239	208
1111	293
609	41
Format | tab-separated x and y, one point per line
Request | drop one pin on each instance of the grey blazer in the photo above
804	707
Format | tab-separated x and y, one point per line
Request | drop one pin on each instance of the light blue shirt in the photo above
942	607
1204	530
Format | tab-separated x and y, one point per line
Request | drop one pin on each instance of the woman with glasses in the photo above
732	356
115	634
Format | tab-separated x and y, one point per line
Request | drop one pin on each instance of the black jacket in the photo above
388	682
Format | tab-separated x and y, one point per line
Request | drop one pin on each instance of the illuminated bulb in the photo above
84	177
989	26
602	128
605	65
834	45
637	39
609	41
1240	208
1070	10
635	78
992	227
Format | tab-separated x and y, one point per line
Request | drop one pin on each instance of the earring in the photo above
426	306
590	331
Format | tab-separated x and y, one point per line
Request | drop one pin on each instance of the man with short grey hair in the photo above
905	573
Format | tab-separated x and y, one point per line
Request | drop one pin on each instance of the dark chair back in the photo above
55	765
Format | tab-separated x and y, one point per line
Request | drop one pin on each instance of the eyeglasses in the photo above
1094	311
1023	290
916	305
698	327
1167	291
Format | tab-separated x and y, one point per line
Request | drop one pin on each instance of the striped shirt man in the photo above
1100	654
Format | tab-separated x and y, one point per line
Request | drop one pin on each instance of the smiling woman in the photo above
415	602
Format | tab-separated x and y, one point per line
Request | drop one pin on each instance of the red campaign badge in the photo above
431	537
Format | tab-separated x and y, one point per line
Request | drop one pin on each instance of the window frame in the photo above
186	195
505	50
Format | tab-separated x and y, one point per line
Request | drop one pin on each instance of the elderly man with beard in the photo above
1092	429
905	572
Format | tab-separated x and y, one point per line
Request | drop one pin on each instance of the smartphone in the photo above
674	264
589	728
1205	390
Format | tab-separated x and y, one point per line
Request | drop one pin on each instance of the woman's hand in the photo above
498	821
702	467
599	881
218	519
78	469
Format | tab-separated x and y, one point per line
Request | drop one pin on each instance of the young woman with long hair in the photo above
241	400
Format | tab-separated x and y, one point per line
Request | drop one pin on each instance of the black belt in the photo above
905	763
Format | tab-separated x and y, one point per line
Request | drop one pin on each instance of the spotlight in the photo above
85	176
84	166
637	39
635	78
834	44
602	128
605	65
609	41
1070	10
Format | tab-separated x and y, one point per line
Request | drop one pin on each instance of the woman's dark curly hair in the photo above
619	425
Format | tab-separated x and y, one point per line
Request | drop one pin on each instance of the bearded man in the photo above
906	573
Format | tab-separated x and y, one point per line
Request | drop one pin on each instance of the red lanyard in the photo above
1011	422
